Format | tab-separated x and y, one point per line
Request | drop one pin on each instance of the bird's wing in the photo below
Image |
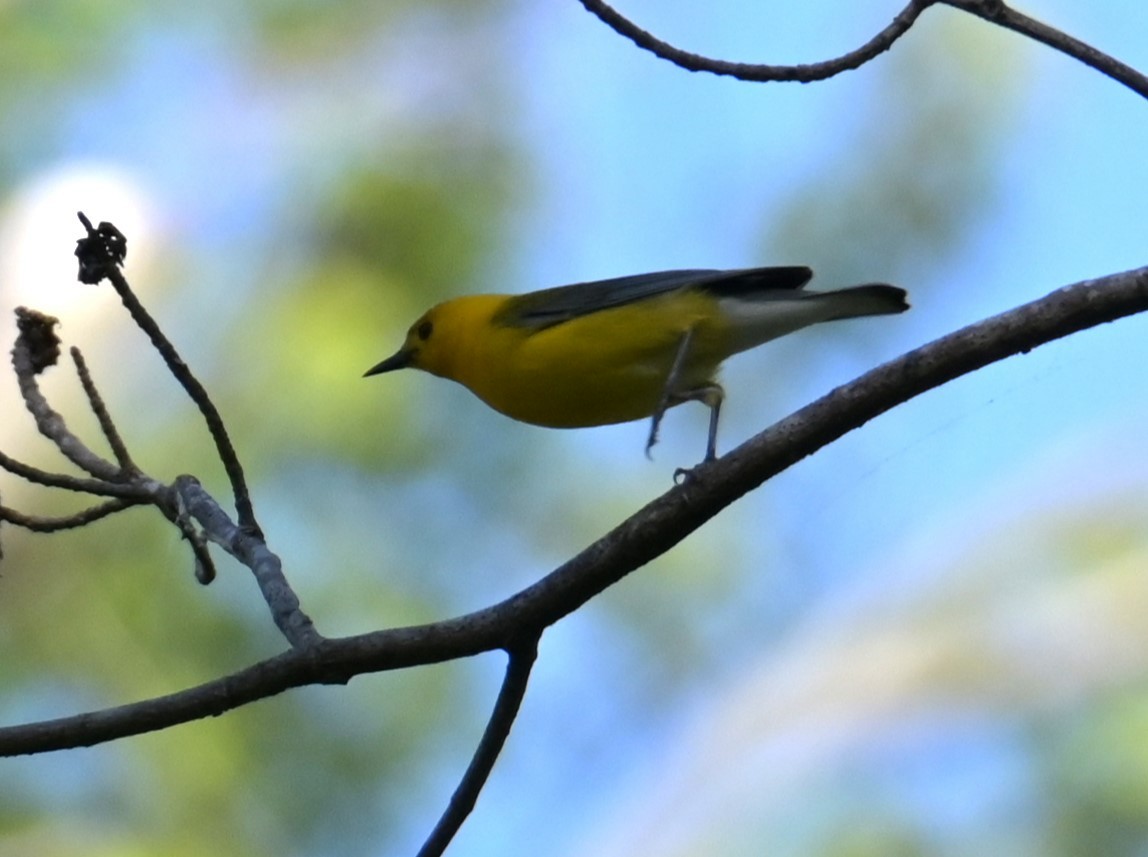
553	306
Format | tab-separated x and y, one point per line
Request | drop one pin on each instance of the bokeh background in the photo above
930	638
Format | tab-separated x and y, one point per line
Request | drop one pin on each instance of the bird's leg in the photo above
711	395
669	397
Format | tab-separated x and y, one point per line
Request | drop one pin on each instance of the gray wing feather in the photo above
553	306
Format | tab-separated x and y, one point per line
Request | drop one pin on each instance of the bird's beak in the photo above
399	360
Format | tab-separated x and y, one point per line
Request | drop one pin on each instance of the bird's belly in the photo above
572	375
574	394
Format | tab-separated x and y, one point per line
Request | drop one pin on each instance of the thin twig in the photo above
179	369
144	490
647	534
996	12
198	394
993	11
520	660
37	524
760	72
28	364
96	402
36	348
204	564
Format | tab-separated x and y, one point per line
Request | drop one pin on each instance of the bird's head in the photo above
443	337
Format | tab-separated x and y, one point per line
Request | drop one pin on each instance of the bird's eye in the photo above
424	330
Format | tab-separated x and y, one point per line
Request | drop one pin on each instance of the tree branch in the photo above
993	11
97	487
520	661
37	524
37	348
647	534
760	72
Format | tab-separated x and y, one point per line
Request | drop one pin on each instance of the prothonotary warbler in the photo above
617	350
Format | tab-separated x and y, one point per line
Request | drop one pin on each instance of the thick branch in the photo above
647	534
668	520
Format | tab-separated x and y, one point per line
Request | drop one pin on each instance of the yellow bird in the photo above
623	349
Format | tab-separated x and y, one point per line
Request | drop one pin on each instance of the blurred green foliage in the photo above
111	614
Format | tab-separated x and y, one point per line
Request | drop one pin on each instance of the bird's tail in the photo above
776	312
871	299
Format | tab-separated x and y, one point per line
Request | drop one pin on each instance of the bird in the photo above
622	349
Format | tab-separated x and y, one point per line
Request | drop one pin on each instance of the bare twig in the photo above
994	11
520	660
251	550
760	72
644	536
204	564
36	349
99	261
28	362
96	402
141	489
37	524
